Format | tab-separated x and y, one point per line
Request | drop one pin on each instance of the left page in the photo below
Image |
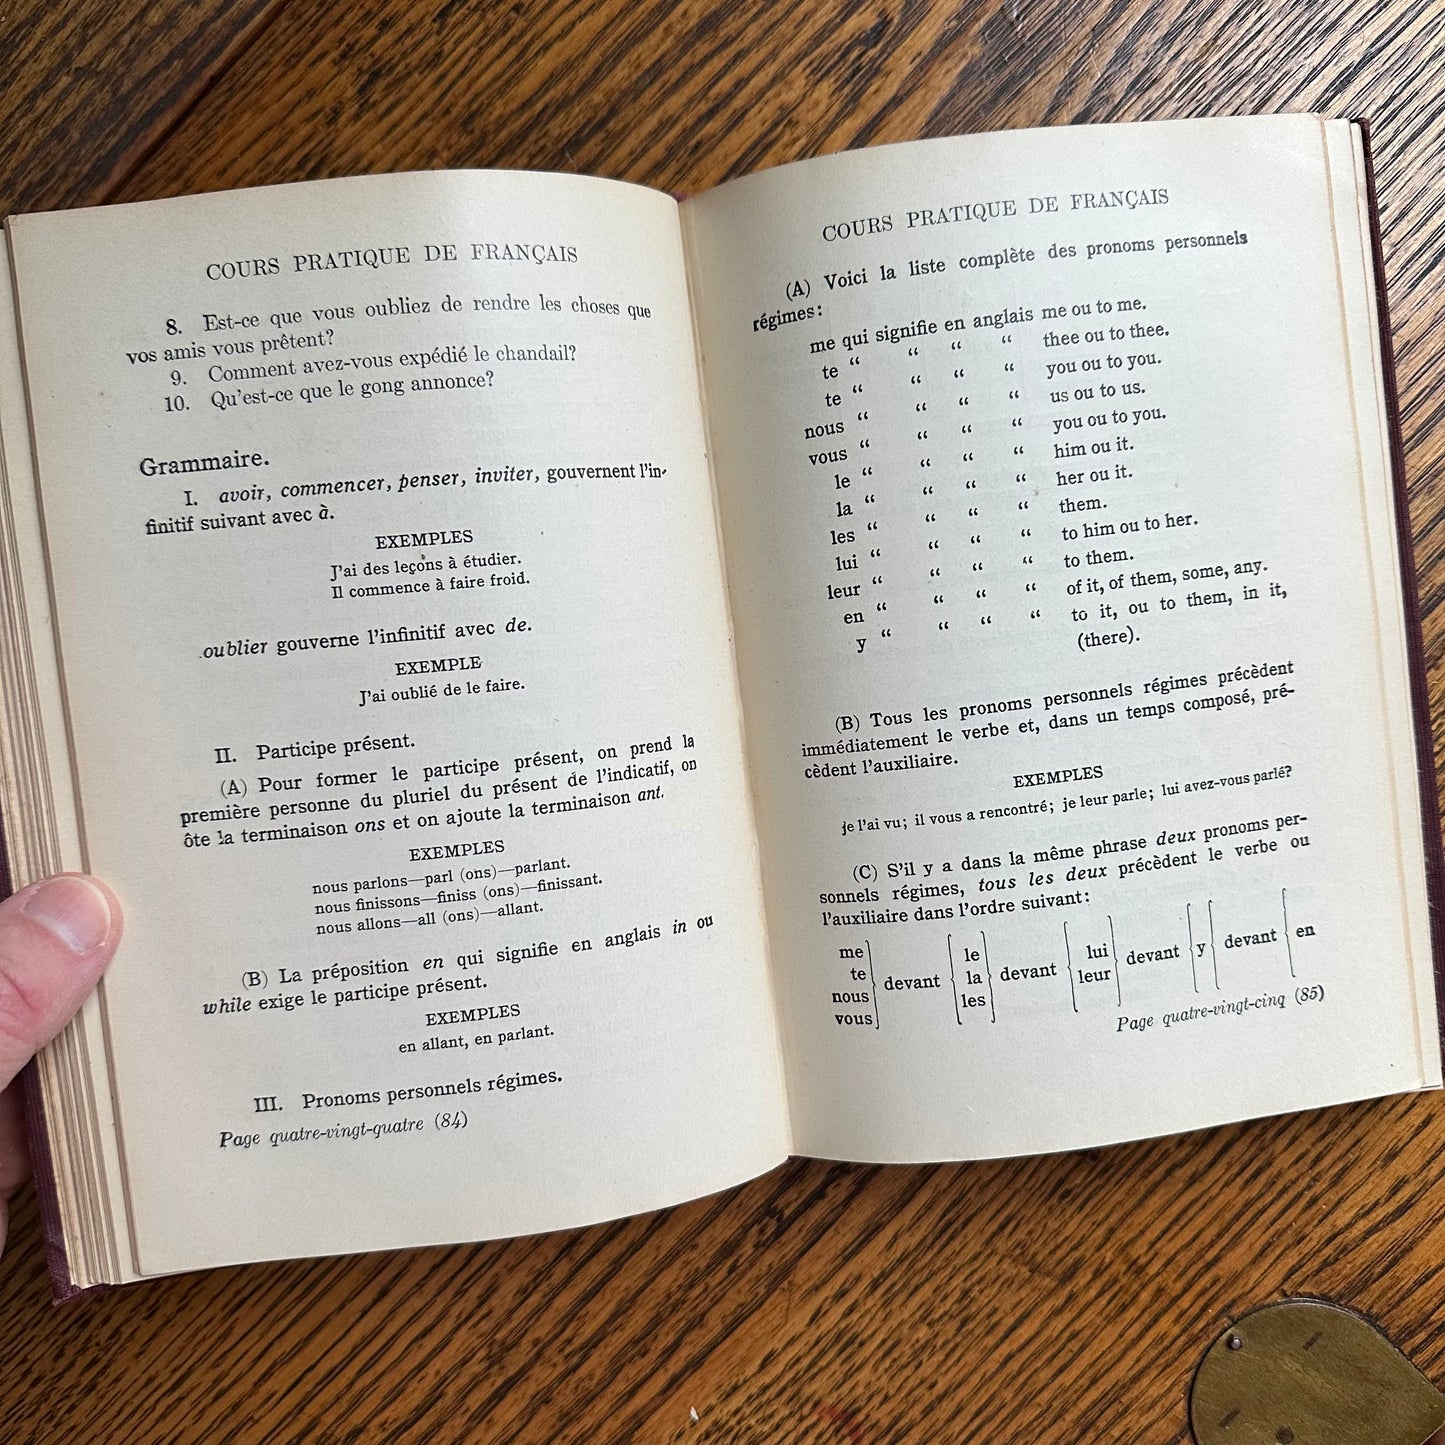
401	709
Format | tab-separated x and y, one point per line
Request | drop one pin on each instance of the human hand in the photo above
56	938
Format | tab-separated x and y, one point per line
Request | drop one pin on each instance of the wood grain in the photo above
1064	1298
87	88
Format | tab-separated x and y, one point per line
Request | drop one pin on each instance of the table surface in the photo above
1063	1298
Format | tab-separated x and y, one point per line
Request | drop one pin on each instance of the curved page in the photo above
398	673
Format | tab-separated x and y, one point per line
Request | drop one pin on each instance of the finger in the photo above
56	938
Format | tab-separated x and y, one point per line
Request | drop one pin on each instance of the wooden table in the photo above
1060	1299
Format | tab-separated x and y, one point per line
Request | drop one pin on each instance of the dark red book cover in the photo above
1410	588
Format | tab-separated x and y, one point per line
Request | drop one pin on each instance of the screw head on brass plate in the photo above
1303	1372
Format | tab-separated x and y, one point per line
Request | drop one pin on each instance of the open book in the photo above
902	657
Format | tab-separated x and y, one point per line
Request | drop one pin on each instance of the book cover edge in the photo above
1414	629
63	1287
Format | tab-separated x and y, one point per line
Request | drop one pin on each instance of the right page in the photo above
1063	562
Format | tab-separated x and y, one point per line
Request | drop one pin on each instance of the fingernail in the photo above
74	910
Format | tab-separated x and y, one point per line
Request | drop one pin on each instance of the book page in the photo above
1058	529
397	669
41	823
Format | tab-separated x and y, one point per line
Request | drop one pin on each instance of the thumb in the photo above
56	938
